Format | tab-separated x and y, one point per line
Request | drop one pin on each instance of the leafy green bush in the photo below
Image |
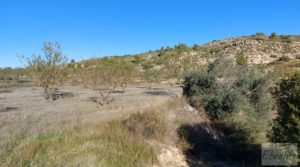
286	127
225	90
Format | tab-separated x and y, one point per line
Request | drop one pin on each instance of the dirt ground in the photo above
25	111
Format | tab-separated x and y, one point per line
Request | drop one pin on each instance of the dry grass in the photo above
115	143
98	145
148	124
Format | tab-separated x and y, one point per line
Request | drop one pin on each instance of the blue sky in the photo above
95	28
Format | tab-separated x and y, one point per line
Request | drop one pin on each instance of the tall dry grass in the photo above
118	143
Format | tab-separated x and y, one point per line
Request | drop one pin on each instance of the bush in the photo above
225	89
286	127
196	47
182	46
273	36
240	59
286	38
260	34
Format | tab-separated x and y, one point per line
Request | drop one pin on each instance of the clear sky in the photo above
94	28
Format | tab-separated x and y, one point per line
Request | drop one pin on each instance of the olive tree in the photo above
286	127
234	94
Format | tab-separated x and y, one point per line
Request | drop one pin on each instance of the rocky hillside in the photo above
279	53
259	50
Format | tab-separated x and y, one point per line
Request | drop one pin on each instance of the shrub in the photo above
196	47
286	127
260	34
240	59
225	89
273	36
182	46
286	38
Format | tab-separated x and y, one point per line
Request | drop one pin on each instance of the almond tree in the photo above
49	68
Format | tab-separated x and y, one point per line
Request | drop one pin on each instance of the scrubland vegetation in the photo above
240	106
115	143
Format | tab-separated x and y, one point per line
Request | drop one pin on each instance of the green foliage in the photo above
161	53
286	127
286	38
196	47
240	59
273	36
182	46
260	34
225	90
14	77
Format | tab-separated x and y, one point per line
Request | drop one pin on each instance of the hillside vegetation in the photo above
206	105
